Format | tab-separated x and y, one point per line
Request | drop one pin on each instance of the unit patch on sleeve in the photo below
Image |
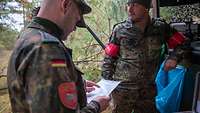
68	95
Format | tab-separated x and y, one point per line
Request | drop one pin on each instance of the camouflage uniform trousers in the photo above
134	101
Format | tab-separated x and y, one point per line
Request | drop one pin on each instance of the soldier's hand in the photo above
170	64
90	86
103	102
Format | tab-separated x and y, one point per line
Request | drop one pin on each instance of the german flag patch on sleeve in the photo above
58	63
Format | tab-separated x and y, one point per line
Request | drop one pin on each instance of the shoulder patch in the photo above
47	38
68	95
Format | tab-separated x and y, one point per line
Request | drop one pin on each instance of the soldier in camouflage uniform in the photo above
41	75
133	55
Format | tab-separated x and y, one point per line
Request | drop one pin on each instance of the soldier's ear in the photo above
65	5
146	10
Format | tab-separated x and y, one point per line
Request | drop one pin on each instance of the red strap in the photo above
112	50
175	40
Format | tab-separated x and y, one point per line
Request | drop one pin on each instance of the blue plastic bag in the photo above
169	89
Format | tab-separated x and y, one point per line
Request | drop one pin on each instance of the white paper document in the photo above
106	87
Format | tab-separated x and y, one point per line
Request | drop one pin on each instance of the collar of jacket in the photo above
47	26
128	23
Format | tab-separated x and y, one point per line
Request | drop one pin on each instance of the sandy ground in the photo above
4	58
4	97
4	103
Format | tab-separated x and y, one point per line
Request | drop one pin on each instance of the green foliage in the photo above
8	37
92	72
117	10
165	13
180	13
87	54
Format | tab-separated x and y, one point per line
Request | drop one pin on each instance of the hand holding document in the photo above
105	89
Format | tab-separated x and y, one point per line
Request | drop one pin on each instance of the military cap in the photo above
85	8
145	3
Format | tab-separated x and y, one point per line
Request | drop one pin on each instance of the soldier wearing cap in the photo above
133	55
42	77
